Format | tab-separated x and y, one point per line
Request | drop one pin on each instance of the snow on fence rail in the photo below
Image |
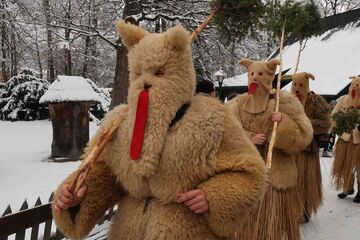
30	219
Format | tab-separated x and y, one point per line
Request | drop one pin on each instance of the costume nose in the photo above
255	80
297	92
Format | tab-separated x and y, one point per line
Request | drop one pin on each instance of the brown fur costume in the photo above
308	161
279	220
347	148
206	149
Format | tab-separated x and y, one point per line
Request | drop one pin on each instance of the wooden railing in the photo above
31	219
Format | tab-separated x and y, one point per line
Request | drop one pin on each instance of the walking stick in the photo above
277	102
95	152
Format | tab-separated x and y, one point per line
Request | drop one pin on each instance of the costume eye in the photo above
260	73
159	73
357	85
252	74
301	84
294	84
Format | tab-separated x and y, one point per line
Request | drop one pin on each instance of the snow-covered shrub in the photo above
100	109
19	97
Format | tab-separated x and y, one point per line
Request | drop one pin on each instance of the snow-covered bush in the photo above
19	97
100	109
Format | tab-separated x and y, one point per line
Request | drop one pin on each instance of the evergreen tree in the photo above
20	97
300	19
236	19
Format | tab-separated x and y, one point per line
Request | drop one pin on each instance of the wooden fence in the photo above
30	219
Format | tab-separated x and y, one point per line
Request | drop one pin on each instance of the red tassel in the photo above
140	124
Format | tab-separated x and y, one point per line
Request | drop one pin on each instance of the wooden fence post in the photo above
35	228
47	230
20	235
7	211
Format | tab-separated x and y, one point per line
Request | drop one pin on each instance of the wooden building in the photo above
69	100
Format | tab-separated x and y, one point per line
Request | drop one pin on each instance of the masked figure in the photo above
179	166
346	165
278	215
308	161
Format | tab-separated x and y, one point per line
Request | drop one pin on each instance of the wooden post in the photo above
20	234
35	228
277	103
47	230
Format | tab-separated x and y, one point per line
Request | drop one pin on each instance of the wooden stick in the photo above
94	154
277	102
213	13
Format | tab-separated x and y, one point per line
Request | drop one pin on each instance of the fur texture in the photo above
294	134
206	149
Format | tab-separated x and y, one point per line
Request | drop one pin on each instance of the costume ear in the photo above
246	62
288	76
273	63
352	77
178	37
130	34
309	75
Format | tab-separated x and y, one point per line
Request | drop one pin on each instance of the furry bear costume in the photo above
308	161
279	220
206	149
347	148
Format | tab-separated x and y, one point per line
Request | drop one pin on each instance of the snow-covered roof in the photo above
70	89
332	57
236	81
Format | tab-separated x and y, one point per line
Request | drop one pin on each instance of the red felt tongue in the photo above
353	93
140	124
252	88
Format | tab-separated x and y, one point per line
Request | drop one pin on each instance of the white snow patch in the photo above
70	89
25	172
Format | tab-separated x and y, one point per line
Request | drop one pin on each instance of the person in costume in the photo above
277	217
331	138
308	161
205	87
179	166
346	166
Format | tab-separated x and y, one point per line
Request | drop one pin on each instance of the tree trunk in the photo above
3	43
13	54
3	53
38	53
50	56
67	48
298	55
121	80
86	57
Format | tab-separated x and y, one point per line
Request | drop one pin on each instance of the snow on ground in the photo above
337	218
25	174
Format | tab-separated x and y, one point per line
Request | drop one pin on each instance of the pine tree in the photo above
301	20
346	121
20	97
238	18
